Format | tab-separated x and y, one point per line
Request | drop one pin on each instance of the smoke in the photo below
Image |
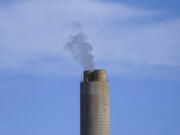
80	48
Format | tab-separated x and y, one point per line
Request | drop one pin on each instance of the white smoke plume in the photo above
80	48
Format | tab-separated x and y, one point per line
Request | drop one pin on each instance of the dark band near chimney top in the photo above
94	75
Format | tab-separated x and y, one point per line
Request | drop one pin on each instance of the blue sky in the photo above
137	42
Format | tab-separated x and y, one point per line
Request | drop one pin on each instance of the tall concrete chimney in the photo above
94	103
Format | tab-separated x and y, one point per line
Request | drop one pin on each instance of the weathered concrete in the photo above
95	104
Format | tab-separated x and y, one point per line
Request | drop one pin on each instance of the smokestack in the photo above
94	103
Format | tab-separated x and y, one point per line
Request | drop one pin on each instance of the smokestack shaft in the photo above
94	103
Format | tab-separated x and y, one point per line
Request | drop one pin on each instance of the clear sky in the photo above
137	42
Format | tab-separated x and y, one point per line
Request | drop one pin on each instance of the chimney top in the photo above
94	75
